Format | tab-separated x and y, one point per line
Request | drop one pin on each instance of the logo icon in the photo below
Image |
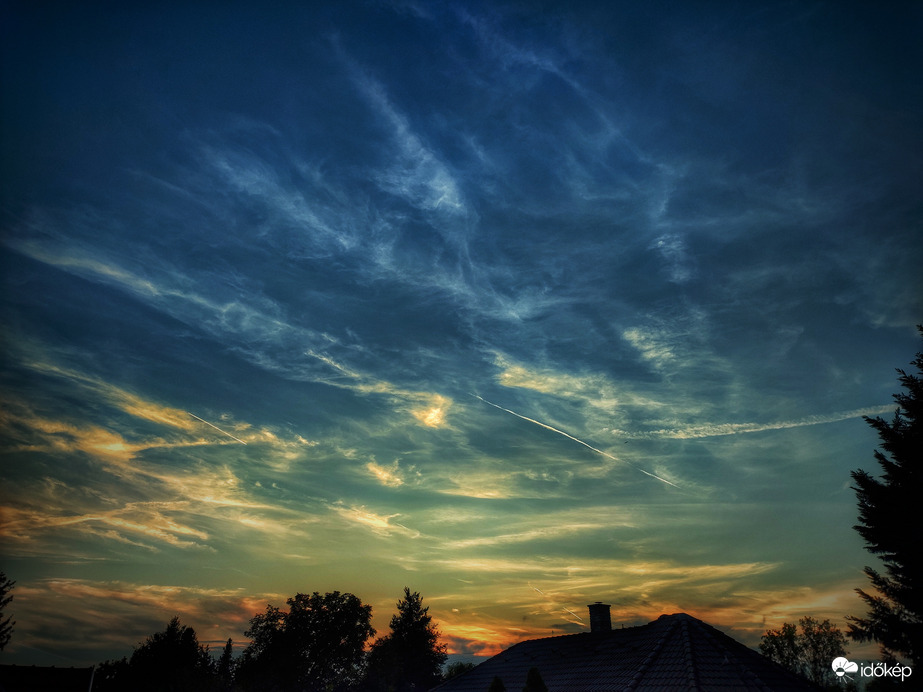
841	666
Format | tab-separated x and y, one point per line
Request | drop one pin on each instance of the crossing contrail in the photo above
217	428
571	437
538	590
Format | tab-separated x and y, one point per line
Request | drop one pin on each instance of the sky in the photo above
521	305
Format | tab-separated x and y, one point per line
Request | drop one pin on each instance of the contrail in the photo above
217	428
573	613
535	588
571	437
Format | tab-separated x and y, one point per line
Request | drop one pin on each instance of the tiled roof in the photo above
674	652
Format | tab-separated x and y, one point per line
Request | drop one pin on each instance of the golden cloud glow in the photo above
596	390
387	476
433	413
120	398
379	523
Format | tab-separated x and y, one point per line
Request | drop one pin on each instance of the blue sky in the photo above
521	305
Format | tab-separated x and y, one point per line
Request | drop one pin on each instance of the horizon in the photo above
520	308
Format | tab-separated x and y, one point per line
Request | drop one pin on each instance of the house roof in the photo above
45	679
674	652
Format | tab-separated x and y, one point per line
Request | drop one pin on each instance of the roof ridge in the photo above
684	627
719	643
671	623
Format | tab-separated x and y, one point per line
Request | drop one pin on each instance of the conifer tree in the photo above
410	657
496	685
225	666
534	682
889	521
6	623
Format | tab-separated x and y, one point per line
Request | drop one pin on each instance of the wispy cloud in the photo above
389	476
322	223
535	534
379	524
418	176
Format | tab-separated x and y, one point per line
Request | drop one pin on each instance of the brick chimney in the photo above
600	620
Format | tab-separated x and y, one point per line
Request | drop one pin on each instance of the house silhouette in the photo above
45	679
673	652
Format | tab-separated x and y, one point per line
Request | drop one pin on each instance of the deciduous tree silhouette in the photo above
453	670
889	521
808	653
171	660
6	623
316	645
111	676
782	646
168	661
410	656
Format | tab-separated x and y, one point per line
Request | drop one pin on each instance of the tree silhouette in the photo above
782	646
453	670
6	623
889	521
807	653
225	666
410	656
534	682
168	661
316	645
111	676
496	685
171	660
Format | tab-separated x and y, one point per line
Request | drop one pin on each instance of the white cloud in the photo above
379	524
418	176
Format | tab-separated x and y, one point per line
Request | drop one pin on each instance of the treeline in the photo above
319	644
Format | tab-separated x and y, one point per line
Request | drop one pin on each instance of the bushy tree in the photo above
453	670
889	521
316	645
410	657
6	623
171	660
782	646
808	653
168	661
496	685
111	676
821	642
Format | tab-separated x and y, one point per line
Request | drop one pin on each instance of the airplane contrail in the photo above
217	428
535	588
573	613
571	437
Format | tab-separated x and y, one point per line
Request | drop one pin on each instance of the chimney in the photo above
600	620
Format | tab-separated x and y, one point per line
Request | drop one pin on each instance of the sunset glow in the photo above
520	309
